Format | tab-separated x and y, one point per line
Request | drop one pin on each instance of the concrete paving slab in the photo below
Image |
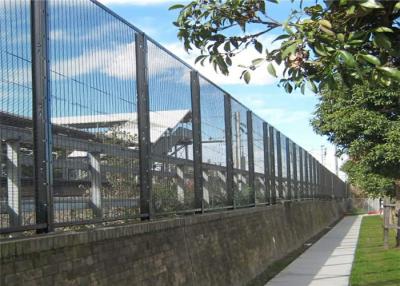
328	262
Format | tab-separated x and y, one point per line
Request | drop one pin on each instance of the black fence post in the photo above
301	179
307	185
294	171
279	161
313	178
143	107
267	168
42	140
272	164
229	153
250	149
288	170
197	152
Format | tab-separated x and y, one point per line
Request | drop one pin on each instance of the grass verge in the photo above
374	266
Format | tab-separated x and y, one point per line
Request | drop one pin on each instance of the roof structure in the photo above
127	123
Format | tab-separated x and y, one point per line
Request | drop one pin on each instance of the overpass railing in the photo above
101	123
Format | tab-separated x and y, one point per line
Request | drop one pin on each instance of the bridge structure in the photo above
100	123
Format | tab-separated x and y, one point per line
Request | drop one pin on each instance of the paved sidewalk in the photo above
328	262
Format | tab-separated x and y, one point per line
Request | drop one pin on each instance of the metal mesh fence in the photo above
261	188
93	95
17	199
112	92
241	186
170	131
213	143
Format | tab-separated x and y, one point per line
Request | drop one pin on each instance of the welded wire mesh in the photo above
170	131
94	117
17	203
259	167
242	190
277	164
213	144
285	169
93	95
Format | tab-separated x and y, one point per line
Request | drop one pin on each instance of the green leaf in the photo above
312	86
176	6
320	50
289	50
383	30
274	1
281	37
257	61
347	58
288	87
302	88
325	23
327	31
371	59
228	61
396	7
372	4
227	46
247	76
351	10
392	72
271	69
382	41
258	46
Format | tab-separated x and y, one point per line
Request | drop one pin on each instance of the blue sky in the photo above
289	113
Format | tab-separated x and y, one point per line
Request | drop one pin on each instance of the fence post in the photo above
229	153
288	170
295	183
250	149
312	181
197	152
279	157
267	169
272	164
301	179
143	106
386	221
42	141
307	180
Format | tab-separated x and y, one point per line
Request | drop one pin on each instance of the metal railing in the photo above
101	123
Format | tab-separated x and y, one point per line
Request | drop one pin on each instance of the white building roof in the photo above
126	123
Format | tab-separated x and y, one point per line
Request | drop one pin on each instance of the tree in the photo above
347	41
347	51
364	122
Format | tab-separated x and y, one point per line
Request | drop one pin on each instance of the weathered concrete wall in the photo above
229	248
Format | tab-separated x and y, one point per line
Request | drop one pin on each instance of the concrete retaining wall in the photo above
229	248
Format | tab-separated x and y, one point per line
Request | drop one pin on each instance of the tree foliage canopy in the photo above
347	41
364	122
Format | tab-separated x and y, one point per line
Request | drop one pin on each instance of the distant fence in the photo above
100	123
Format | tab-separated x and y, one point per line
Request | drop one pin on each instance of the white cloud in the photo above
118	62
281	116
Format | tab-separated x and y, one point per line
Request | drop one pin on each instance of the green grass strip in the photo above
374	266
